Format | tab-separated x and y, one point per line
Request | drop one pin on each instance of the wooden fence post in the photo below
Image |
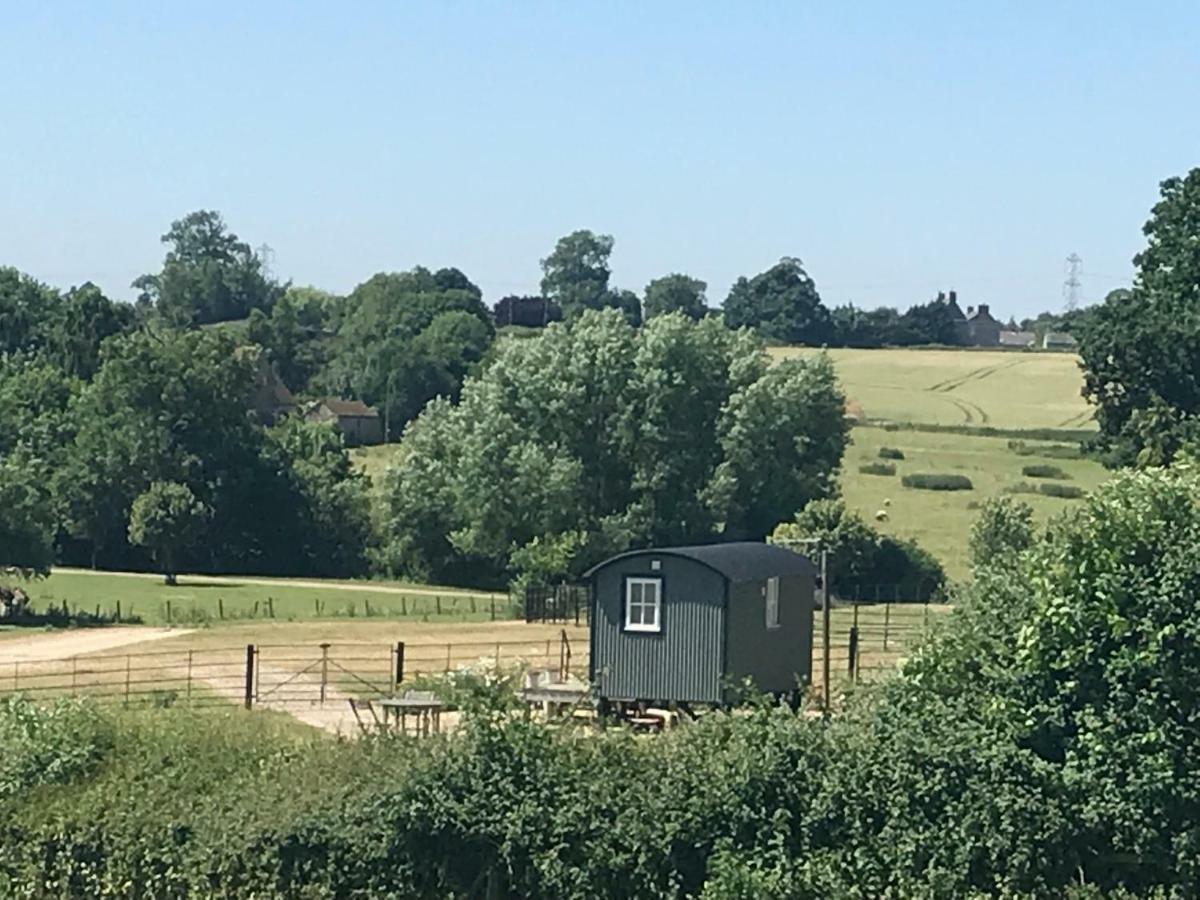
447	657
854	652
168	611
220	607
324	671
118	612
249	697
398	671
887	618
493	600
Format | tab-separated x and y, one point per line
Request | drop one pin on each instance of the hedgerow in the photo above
933	481
877	468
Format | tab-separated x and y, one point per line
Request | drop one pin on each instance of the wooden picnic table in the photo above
424	705
555	697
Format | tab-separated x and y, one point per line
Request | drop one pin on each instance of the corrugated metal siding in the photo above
774	658
683	661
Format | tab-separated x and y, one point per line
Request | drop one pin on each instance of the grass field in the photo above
198	600
1001	389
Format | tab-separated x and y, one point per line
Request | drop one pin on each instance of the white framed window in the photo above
643	604
771	592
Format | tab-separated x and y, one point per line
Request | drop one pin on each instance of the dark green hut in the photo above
679	624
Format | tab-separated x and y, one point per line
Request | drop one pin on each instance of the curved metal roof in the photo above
737	561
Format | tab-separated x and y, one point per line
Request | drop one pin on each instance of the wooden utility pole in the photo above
826	622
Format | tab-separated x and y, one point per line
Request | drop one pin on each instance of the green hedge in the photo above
932	481
1066	491
1043	470
877	468
891	453
1049	451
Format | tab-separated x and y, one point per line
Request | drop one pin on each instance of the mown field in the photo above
988	388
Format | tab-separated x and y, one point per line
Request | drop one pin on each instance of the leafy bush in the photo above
890	453
862	559
1003	528
937	482
877	468
1044	471
48	744
1066	491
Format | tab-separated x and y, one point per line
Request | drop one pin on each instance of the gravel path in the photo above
45	646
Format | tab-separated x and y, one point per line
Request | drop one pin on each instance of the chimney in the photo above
954	296
983	309
970	310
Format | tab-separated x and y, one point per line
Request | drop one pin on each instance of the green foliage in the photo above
1049	451
293	334
48	744
545	560
166	518
937	482
28	310
26	516
1004	528
1066	491
676	293
877	468
674	432
1044	471
859	558
1141	350
404	338
890	453
575	275
782	304
208	275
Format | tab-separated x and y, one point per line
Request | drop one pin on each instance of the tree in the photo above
575	275
676	293
28	312
167	519
294	334
681	434
782	304
1003	529
86	319
26	516
935	322
404	338
1141	352
208	275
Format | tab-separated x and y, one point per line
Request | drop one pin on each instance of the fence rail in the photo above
866	640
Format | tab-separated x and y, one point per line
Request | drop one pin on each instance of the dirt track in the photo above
43	646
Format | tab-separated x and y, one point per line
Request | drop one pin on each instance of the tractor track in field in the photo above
979	374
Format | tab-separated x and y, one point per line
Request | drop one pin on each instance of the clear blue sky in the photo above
897	148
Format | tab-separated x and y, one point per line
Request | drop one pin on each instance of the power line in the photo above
1071	283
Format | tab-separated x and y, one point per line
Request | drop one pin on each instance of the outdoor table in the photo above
426	707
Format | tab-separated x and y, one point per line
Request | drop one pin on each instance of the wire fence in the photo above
867	640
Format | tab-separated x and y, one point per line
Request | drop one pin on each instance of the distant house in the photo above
358	423
983	330
962	332
681	624
1058	340
1018	339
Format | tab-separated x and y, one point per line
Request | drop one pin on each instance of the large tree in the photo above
1141	349
86	319
26	515
294	334
167	520
675	432
675	293
782	304
575	275
406	337
208	275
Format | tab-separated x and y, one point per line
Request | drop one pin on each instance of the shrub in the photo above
1042	470
877	468
932	481
891	453
1003	528
48	744
1049	451
1066	491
